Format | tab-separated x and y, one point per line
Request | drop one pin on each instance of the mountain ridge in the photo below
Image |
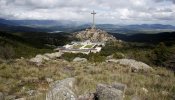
72	26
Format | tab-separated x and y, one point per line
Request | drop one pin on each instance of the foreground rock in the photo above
62	90
110	92
66	90
78	59
96	35
133	64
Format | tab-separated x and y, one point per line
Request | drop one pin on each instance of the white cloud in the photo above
108	11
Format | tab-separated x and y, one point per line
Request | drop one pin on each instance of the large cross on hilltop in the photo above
93	13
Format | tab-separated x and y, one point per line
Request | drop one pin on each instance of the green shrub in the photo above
71	56
7	52
118	55
96	57
160	54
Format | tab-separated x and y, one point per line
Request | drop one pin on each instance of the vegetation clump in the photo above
88	46
160	54
7	52
152	54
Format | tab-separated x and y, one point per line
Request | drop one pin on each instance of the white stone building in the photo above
85	47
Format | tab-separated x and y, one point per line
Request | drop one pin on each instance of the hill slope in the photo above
95	35
14	47
26	43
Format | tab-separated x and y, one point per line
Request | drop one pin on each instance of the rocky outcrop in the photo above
110	92
95	35
39	59
53	55
36	60
133	64
78	59
62	90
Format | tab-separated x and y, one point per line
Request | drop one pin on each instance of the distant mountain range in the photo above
73	26
147	38
152	33
40	23
137	29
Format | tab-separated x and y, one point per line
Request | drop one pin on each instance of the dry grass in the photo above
16	76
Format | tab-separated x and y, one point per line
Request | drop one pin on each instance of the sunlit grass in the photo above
15	76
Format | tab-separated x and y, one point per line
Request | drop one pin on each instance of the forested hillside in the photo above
28	44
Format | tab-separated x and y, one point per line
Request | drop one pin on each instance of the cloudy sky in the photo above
108	11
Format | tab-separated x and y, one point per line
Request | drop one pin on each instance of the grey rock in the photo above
78	59
119	86
53	55
1	96
22	58
32	92
39	59
96	35
109	57
135	97
62	90
42	57
89	96
133	64
49	80
110	92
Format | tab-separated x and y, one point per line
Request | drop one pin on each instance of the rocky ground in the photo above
96	35
49	77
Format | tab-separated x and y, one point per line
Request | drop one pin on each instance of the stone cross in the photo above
93	13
